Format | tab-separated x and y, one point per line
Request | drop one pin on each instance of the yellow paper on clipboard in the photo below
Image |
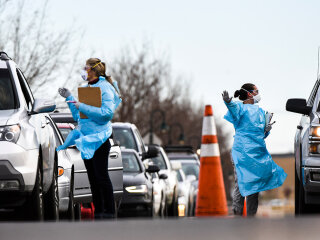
90	96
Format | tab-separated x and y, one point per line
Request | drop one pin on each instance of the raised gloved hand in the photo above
268	127
64	92
225	97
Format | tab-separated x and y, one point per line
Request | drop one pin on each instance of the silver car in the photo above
29	161
82	191
65	178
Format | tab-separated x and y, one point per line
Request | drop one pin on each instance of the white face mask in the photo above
256	98
84	74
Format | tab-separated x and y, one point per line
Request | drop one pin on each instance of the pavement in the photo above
185	228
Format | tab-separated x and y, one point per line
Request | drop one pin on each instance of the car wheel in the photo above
34	206
297	194
52	197
77	211
174	206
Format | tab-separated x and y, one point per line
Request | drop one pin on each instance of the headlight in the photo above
315	131
314	140
137	189
10	133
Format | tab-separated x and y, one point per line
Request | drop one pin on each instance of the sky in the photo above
219	45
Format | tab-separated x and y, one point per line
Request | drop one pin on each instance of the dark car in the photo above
137	183
190	165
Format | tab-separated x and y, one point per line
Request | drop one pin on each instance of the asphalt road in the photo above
191	228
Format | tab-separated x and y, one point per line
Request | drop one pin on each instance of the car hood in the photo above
131	179
5	115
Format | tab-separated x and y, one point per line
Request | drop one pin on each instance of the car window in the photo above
56	134
7	99
190	169
65	132
26	90
130	163
160	162
313	94
140	140
179	176
125	138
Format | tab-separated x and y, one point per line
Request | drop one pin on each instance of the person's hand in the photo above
64	92
225	97
268	128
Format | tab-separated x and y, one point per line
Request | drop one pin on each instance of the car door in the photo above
45	134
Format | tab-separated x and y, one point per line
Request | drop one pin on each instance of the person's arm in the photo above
104	113
73	109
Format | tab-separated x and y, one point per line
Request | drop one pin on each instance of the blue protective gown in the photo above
256	171
93	131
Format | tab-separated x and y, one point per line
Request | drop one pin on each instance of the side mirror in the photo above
151	153
175	165
153	169
191	178
298	105
163	176
43	106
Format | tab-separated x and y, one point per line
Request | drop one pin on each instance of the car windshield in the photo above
190	168
125	138
159	161
65	132
7	100
130	163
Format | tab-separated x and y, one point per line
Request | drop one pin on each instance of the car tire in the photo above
77	211
51	199
174	205
297	200
35	204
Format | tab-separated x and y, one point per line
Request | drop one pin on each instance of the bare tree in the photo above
147	85
40	51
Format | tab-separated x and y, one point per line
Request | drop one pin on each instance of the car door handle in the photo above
113	155
299	127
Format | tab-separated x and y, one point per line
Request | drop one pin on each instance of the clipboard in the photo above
90	96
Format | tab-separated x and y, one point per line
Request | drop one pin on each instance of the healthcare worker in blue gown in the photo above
255	171
92	134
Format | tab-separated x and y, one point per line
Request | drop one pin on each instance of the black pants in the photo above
100	183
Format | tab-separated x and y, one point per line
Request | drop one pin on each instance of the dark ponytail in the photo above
243	92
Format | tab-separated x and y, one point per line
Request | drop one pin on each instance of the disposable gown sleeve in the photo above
73	109
104	113
235	112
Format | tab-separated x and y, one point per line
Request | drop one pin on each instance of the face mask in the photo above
84	74
256	98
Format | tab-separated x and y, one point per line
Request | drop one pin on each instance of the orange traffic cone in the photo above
244	213
211	199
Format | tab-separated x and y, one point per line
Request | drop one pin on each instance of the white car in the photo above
29	161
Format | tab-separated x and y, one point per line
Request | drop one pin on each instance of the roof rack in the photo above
184	148
4	56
